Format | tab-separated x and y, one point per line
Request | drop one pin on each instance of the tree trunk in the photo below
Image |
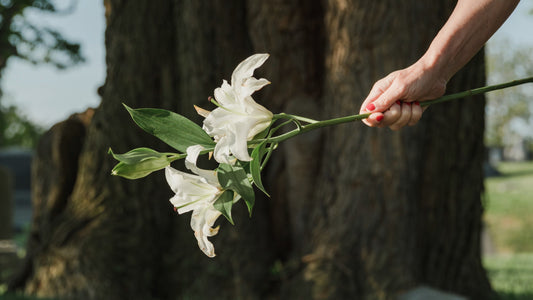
355	212
394	209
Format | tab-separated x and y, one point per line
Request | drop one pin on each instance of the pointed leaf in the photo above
137	155
139	162
140	169
172	128
224	204
255	166
235	178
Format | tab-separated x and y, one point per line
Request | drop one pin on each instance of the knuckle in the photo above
401	87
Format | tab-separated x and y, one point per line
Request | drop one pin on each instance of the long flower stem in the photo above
319	124
477	91
294	117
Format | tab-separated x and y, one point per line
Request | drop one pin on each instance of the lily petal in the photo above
190	190
239	118
225	95
250	85
239	147
222	151
247	67
202	221
190	163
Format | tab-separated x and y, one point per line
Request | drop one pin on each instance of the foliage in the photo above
16	129
20	38
508	111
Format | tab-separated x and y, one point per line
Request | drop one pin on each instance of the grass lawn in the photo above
509	217
511	275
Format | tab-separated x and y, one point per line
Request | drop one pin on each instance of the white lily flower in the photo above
196	193
239	118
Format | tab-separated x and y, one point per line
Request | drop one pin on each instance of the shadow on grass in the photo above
515	296
510	169
516	173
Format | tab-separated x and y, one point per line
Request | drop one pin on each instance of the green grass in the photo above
511	275
509	207
509	217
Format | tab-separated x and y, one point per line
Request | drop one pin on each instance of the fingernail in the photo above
398	102
370	107
417	103
379	118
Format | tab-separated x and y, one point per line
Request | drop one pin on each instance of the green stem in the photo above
477	91
294	117
319	124
269	153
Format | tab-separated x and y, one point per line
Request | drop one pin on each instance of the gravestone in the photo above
17	161
7	247
6	204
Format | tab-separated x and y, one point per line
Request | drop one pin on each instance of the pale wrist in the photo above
438	65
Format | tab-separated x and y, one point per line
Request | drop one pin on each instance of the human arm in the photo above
470	25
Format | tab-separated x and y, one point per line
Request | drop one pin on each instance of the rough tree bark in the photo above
394	209
355	213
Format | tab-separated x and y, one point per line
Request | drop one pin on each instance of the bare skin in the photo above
394	100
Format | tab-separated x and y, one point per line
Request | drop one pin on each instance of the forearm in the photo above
469	27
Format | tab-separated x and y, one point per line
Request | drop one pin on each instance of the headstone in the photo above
18	163
6	205
423	292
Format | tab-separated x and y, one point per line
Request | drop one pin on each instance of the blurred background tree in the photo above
509	119
16	129
39	45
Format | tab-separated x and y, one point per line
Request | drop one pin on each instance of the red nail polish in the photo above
417	103
379	118
370	107
398	102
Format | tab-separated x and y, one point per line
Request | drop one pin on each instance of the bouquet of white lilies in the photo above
239	133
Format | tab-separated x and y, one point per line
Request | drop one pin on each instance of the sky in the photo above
47	95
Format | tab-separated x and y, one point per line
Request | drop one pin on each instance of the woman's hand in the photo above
394	101
468	28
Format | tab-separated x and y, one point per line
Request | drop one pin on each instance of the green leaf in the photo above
137	155
172	128
235	178
140	169
139	162
224	204
255	166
